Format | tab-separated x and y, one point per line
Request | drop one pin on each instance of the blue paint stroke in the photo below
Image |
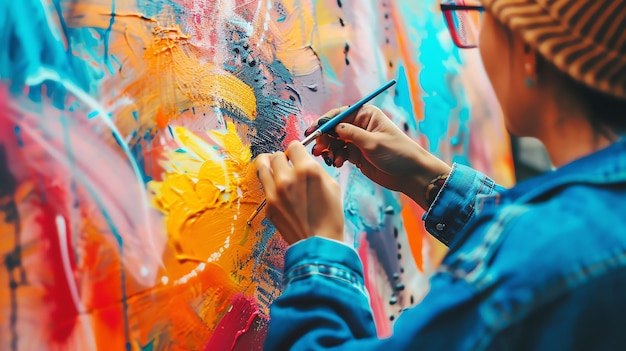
18	134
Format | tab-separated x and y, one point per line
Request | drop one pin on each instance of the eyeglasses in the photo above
463	22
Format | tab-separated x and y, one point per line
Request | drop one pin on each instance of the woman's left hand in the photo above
303	200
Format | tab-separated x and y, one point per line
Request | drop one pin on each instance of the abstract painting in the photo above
127	134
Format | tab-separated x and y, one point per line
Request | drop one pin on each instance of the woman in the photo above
541	266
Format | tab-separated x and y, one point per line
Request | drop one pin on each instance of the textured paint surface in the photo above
127	134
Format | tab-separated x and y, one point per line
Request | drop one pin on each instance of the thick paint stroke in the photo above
118	106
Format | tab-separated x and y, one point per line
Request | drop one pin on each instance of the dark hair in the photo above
607	113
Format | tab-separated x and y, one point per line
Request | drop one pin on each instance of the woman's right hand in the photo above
387	156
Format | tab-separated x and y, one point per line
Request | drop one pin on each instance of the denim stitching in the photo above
306	270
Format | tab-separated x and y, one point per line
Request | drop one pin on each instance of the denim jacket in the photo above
541	266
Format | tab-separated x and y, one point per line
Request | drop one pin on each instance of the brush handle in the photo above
333	122
316	134
329	127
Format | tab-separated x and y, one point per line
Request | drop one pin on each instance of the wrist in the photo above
426	180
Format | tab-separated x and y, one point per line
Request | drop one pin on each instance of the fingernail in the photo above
322	121
328	160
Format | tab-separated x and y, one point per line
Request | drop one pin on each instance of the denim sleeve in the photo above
324	301
454	204
324	306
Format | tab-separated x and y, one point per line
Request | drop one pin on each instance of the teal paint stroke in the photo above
402	99
34	44
440	63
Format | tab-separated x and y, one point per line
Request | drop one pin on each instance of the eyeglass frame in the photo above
446	9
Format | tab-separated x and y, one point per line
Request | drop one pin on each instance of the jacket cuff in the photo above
454	204
323	257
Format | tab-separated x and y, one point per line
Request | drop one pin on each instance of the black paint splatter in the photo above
271	83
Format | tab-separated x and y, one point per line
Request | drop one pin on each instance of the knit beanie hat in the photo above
586	39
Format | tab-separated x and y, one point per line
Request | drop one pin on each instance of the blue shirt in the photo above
541	266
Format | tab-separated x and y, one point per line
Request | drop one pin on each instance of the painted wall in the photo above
127	130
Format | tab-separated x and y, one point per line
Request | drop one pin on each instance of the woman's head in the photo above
565	53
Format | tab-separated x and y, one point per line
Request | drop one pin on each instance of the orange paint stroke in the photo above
414	230
161	119
178	80
292	38
169	72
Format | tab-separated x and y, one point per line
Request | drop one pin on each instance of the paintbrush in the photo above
329	127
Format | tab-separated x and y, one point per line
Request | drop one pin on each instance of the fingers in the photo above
281	170
264	173
322	144
298	154
341	156
356	135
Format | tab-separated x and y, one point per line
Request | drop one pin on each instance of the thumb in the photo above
357	135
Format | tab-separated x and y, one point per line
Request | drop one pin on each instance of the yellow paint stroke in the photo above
330	38
202	196
201	179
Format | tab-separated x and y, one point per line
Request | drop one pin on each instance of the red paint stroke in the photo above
383	327
63	315
243	327
292	130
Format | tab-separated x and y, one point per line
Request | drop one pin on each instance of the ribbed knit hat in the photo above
586	39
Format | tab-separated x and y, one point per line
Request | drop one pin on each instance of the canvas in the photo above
127	134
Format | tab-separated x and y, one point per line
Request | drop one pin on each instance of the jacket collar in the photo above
607	166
